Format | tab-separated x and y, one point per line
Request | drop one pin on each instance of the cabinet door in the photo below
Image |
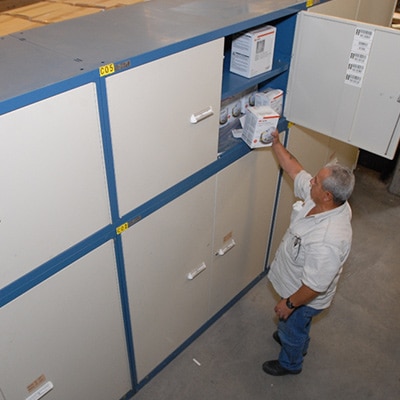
155	145
68	330
159	252
380	13
244	205
344	82
52	177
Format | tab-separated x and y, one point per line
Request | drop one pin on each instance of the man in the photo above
309	261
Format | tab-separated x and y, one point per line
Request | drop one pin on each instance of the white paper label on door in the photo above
358	59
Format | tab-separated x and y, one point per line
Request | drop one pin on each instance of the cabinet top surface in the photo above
141	32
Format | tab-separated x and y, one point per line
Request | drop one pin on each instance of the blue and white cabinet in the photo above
123	232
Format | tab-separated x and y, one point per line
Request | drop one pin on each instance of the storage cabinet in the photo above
125	232
68	331
150	110
350	91
233	84
167	305
204	249
52	174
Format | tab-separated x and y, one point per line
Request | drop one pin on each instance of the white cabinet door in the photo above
52	178
244	205
68	330
377	12
154	143
167	304
344	81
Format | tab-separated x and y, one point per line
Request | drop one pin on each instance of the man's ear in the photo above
328	196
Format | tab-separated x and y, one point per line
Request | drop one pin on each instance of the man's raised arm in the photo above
286	160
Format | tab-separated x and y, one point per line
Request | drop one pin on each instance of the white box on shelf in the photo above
260	123
252	52
270	97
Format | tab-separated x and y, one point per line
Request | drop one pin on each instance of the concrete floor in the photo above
354	352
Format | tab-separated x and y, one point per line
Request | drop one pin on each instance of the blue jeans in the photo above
294	335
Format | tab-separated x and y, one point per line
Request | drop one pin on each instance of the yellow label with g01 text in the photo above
310	3
107	69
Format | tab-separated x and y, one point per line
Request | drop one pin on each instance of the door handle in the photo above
198	270
203	114
223	250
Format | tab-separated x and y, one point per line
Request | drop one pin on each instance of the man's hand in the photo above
282	310
302	296
275	137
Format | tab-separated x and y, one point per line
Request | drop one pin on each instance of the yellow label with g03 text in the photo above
107	69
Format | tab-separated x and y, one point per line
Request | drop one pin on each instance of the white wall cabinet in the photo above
69	331
204	249
52	174
150	110
159	252
344	82
113	199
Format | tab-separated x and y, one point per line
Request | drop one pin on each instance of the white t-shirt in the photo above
313	249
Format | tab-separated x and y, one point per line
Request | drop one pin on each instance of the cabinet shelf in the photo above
233	83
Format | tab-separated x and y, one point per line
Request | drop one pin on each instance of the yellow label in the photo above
310	3
122	228
107	69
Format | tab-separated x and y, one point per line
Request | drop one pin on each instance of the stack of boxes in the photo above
252	54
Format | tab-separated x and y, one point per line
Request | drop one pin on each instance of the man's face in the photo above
318	194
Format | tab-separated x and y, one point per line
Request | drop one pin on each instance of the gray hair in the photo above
340	183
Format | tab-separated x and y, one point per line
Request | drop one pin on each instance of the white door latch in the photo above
225	249
203	114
